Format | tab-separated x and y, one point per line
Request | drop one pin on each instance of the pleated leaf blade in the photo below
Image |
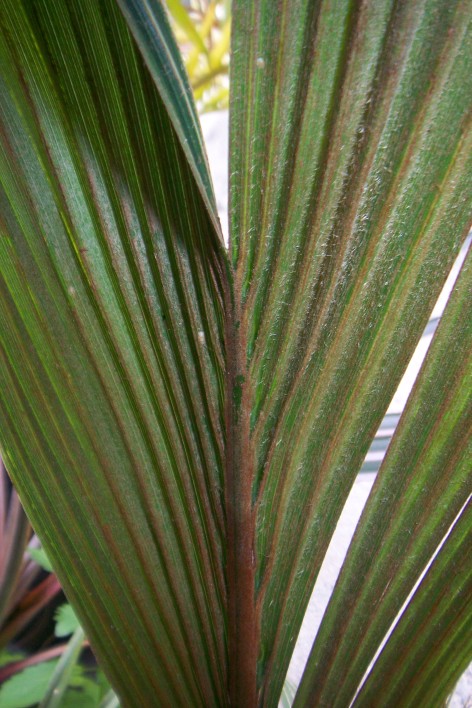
423	489
112	372
183	427
350	177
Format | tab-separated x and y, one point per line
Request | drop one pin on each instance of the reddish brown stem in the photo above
243	629
11	669
31	604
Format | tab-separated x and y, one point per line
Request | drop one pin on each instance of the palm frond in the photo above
184	425
423	486
350	165
112	371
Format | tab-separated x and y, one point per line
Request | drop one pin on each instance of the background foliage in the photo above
202	29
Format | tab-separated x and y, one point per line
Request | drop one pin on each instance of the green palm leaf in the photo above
421	488
351	165
112	352
436	629
184	426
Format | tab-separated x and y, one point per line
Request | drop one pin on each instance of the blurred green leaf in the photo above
80	699
27	687
67	664
66	621
8	657
39	555
180	15
205	49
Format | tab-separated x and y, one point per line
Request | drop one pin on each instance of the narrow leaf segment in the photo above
151	29
431	646
423	485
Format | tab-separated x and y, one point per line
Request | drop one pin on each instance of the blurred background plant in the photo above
29	592
202	29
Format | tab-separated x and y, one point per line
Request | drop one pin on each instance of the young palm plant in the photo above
184	422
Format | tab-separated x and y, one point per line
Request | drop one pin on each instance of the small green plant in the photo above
184	421
53	678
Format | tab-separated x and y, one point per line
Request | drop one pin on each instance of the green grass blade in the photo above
111	346
350	180
422	486
63	672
